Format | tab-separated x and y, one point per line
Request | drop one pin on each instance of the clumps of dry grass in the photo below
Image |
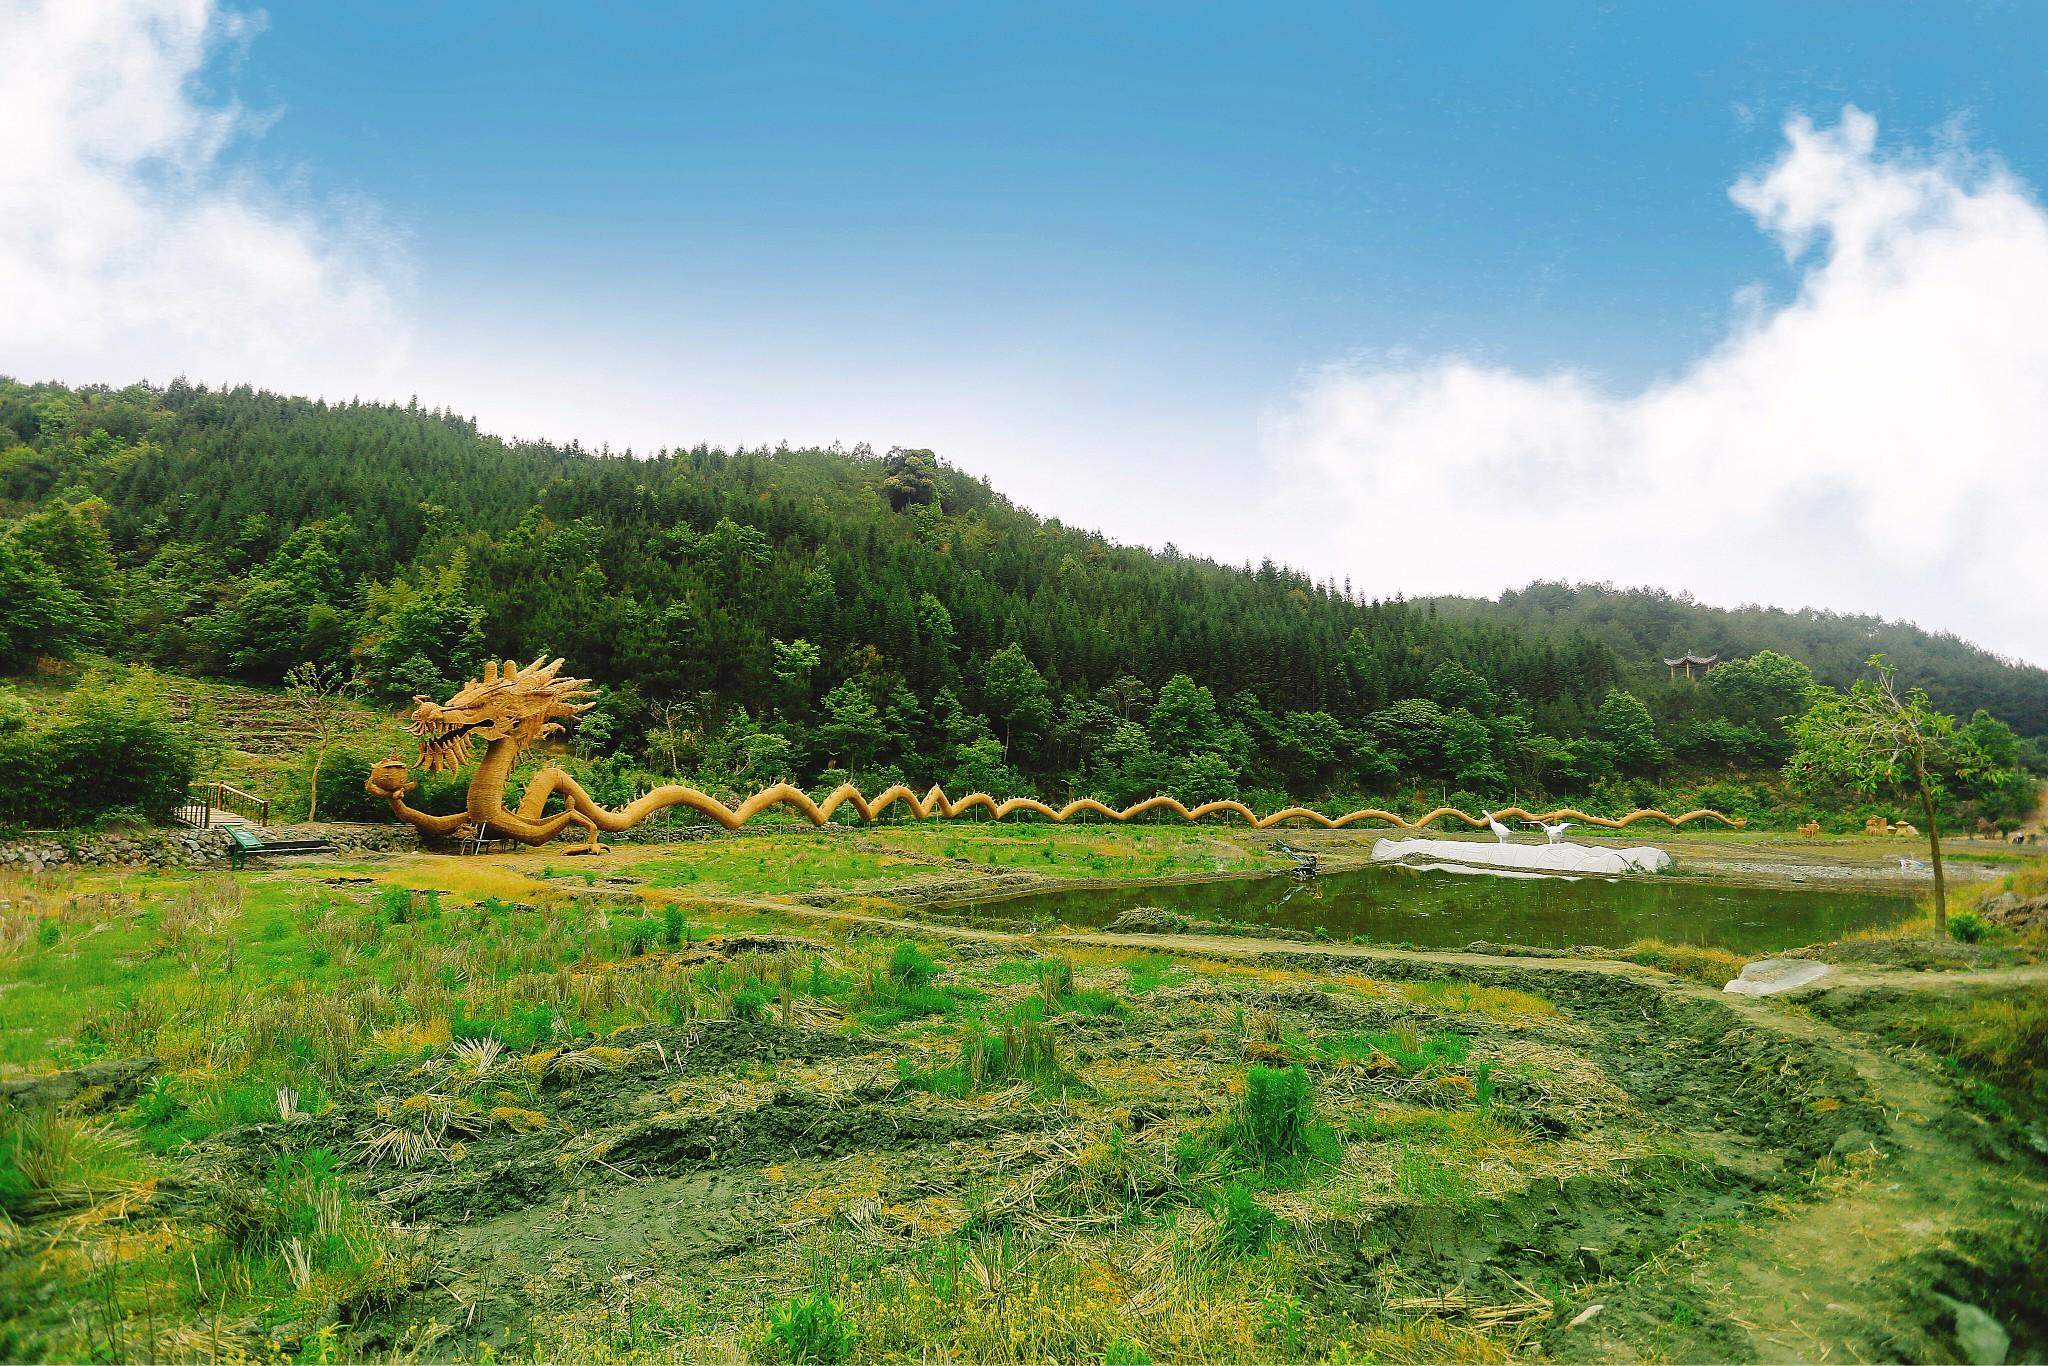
1503	1005
411	1129
517	1119
1697	962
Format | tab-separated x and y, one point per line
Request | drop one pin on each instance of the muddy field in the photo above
537	1118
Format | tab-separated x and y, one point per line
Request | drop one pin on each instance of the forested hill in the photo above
795	612
1644	624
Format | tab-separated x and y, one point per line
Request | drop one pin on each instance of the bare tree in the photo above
324	695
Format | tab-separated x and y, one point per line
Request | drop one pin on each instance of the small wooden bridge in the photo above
207	805
222	806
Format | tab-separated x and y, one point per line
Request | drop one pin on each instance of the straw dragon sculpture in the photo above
513	708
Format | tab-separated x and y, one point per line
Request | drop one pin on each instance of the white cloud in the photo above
1875	444
129	248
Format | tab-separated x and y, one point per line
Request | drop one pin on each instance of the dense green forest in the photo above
761	614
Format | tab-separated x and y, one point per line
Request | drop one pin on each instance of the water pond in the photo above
1433	909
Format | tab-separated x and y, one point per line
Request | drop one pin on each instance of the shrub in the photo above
673	930
1967	927
1272	1122
809	1328
112	747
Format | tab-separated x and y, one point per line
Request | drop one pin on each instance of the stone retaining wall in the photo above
178	847
181	848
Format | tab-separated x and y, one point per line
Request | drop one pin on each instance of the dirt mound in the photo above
2010	910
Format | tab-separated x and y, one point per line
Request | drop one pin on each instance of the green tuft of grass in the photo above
1273	1121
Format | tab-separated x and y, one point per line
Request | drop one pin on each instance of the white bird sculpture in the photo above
1556	832
1505	835
1910	865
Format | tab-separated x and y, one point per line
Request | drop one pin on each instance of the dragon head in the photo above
523	705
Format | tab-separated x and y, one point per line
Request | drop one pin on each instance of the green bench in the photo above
246	844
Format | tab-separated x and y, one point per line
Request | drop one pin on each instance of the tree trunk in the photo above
1933	847
313	792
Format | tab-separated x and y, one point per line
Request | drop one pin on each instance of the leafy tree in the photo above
1874	738
1626	726
112	747
795	661
1016	694
72	539
909	476
1763	691
1412	732
425	634
1452	685
852	728
40	614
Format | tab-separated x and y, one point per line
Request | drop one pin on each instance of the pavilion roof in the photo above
1697	661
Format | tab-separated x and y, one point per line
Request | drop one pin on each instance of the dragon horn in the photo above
491	671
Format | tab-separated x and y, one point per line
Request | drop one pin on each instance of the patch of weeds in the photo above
1021	1049
636	937
911	966
1150	971
1055	979
1967	927
1243	1225
1274	1122
1085	1001
675	931
518	1030
912	1003
48	932
1124	1352
1423	1175
1013	970
163	1120
1406	1047
1697	962
808	1328
394	905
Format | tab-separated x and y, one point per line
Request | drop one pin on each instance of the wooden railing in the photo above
204	800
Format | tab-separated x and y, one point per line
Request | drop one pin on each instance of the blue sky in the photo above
1544	182
1208	275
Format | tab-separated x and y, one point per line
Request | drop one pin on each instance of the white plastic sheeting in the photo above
1769	976
1526	858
